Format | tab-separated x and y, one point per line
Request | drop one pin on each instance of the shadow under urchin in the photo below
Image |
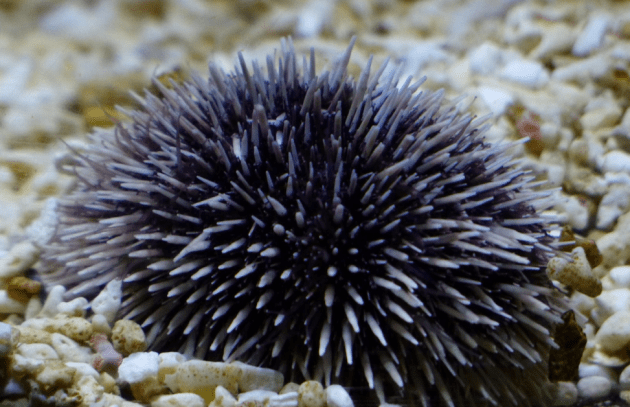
350	231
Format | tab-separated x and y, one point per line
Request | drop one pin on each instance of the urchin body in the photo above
356	232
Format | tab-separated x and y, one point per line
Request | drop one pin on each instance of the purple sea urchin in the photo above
356	232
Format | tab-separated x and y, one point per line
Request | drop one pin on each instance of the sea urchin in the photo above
358	232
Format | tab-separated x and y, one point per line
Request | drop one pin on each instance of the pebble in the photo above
566	394
54	298
311	394
107	302
138	367
337	396
179	400
592	36
577	273
526	73
10	306
614	333
73	308
594	387
610	302
128	337
620	276
20	258
8	339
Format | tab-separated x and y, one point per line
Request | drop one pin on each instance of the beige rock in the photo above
577	273
100	325
54	298
258	378
24	365
289	388
34	335
10	306
179	400
148	389
223	398
202	378
168	362
311	394
33	308
75	328
38	351
55	375
89	390
82	369
74	308
20	258
70	351
128	338
108	383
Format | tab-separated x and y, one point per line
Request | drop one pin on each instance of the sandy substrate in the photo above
556	71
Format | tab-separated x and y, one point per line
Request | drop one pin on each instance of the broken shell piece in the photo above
577	273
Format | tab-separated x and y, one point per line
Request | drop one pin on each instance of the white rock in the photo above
337	396
255	397
23	364
592	36
594	387
583	71
101	325
289	399
527	73
83	369
582	303
613	204
54	298
33	308
179	400
609	303
39	351
485	59
313	17
8	338
589	369
614	334
497	100
42	229
108	301
620	276
566	394
616	161
80	23
73	308
624	377
577	213
70	351
10	306
138	367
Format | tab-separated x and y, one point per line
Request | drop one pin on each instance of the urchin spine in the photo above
319	226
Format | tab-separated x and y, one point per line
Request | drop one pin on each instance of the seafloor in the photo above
556	71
